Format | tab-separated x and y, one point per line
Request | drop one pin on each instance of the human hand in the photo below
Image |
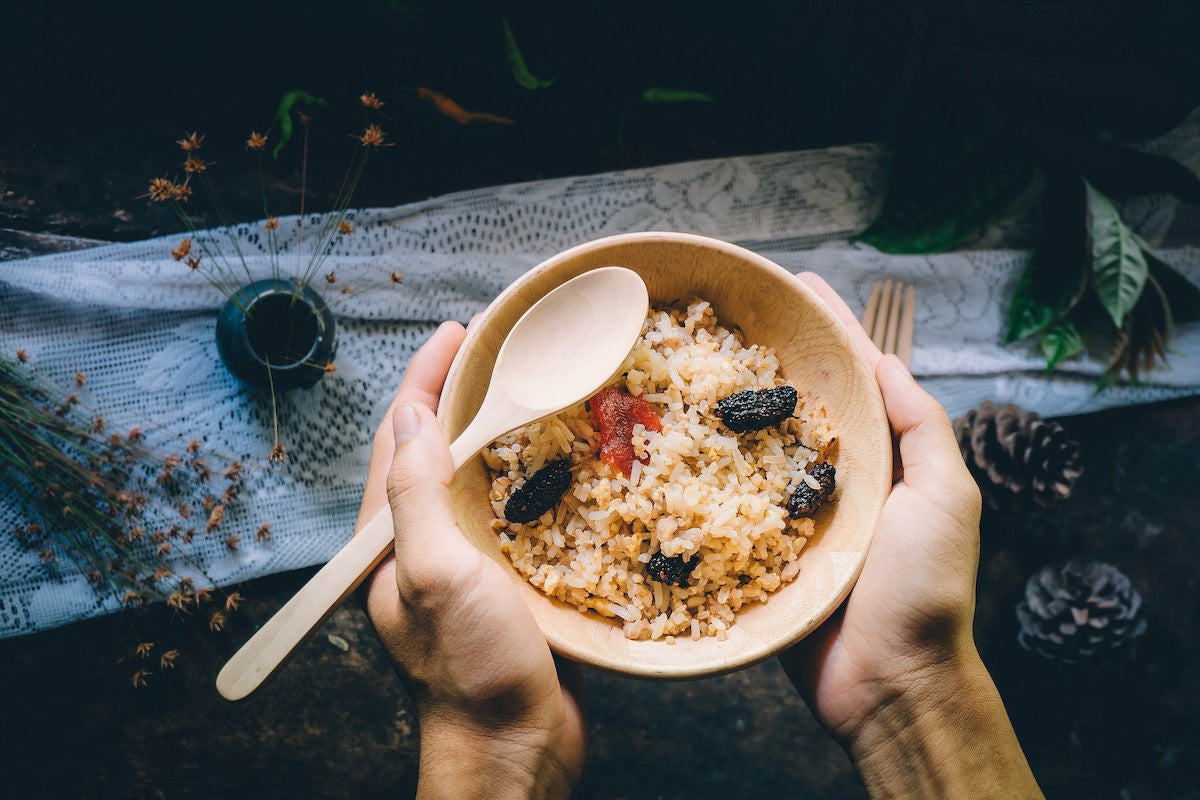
498	717
894	675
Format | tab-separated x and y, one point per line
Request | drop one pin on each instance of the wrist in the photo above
941	731
461	758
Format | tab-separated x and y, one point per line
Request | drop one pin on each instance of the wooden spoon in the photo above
564	348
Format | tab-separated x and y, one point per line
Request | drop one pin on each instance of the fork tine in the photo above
905	338
889	318
868	317
878	320
893	318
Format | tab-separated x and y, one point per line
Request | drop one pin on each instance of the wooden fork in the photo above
888	318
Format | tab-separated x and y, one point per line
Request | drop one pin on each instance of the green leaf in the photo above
1055	277
516	62
284	115
657	94
1118	266
1184	295
1061	341
942	193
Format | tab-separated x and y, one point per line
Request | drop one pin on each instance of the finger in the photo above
418	490
426	372
423	381
843	312
929	451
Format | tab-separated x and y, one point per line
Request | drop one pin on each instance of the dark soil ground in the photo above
92	99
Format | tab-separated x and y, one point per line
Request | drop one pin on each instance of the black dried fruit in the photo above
540	493
670	569
825	474
805	500
754	410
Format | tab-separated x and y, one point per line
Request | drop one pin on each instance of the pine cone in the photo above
1017	456
1081	611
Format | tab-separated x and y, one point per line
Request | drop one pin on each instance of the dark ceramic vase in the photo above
276	333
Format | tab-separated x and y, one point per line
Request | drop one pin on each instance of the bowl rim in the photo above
746	656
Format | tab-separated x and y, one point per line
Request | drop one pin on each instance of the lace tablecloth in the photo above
141	328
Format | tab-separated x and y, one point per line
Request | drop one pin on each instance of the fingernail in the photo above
406	424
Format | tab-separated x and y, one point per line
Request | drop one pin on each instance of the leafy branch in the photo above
1089	280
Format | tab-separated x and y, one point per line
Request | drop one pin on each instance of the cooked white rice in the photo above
703	491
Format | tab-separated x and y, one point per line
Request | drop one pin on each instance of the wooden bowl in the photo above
770	307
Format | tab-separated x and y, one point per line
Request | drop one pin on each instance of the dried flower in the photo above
271	224
144	648
396	277
215	519
234	472
257	141
180	252
329	368
372	137
167	659
164	549
203	595
232	540
233	601
191	143
139	678
330	277
22	356
195	164
369	100
80	380
347	289
200	467
161	190
193	262
345	228
177	601
263	533
216	622
278	454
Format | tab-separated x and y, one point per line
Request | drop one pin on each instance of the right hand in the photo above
894	674
913	604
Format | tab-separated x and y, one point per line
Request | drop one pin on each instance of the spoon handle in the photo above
275	641
269	648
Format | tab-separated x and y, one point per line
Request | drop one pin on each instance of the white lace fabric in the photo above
141	328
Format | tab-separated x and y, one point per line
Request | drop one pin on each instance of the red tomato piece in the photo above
615	413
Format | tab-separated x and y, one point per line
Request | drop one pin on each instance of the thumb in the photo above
418	483
929	452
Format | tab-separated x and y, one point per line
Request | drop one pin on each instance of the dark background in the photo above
92	99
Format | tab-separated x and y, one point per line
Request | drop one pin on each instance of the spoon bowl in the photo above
568	344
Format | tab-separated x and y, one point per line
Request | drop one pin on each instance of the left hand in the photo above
498	716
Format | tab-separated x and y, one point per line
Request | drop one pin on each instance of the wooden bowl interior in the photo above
770	307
